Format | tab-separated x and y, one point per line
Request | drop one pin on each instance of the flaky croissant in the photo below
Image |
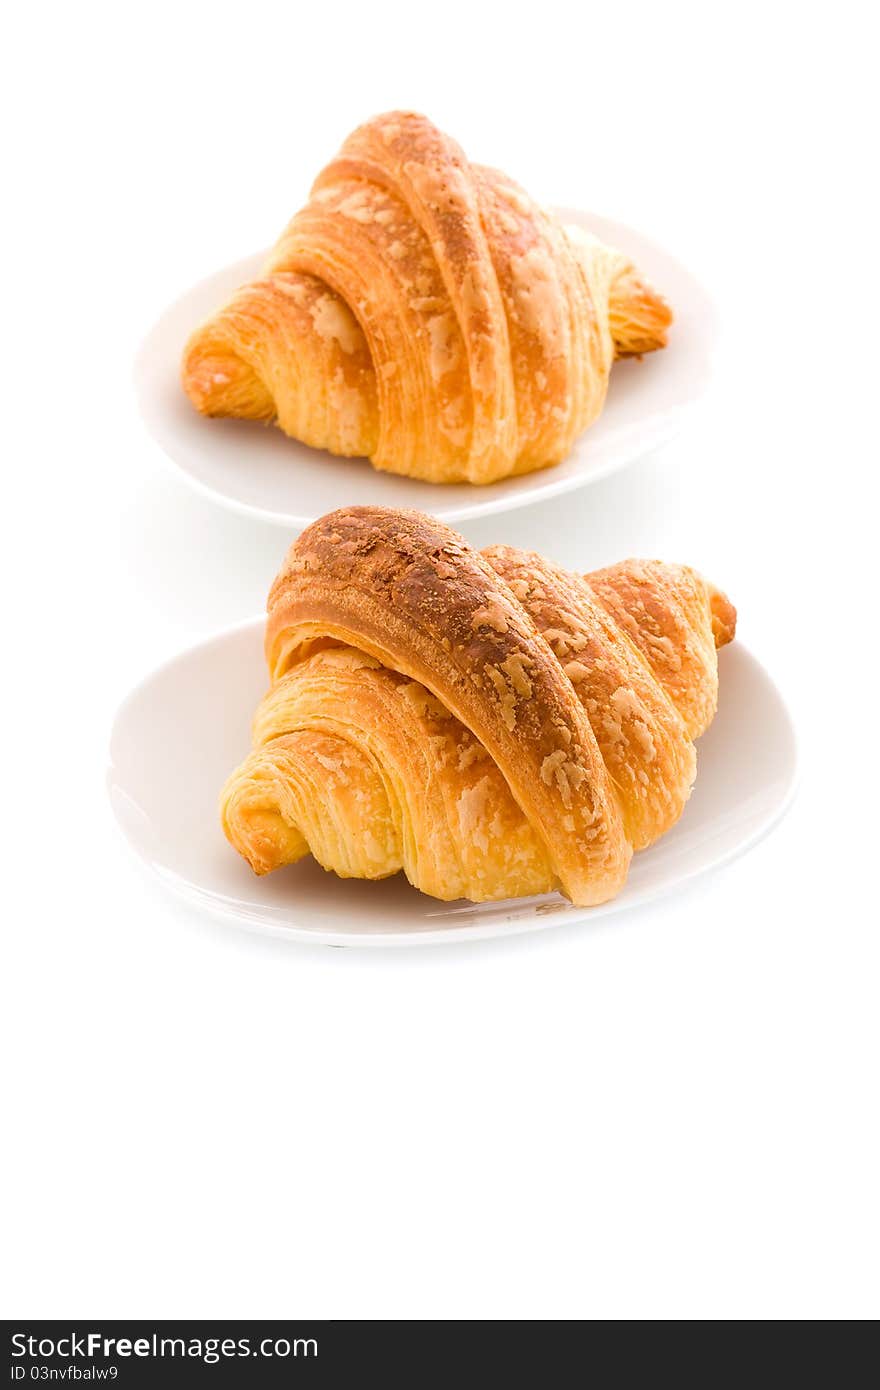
424	312
488	722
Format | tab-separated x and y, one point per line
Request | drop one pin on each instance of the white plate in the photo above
254	468
186	727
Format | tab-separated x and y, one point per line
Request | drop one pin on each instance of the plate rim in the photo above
203	899
483	505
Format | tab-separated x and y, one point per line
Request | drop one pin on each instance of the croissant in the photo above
487	722
425	313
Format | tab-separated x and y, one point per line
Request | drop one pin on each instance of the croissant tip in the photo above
203	378
219	383
723	618
640	321
199	390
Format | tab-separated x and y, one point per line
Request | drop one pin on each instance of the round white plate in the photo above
255	469
187	726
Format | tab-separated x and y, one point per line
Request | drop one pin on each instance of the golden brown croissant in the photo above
488	722
424	312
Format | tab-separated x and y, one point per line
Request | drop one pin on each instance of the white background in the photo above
673	1115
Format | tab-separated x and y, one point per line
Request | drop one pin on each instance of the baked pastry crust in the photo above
424	312
488	722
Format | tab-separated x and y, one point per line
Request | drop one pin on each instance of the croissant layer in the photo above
487	722
426	313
